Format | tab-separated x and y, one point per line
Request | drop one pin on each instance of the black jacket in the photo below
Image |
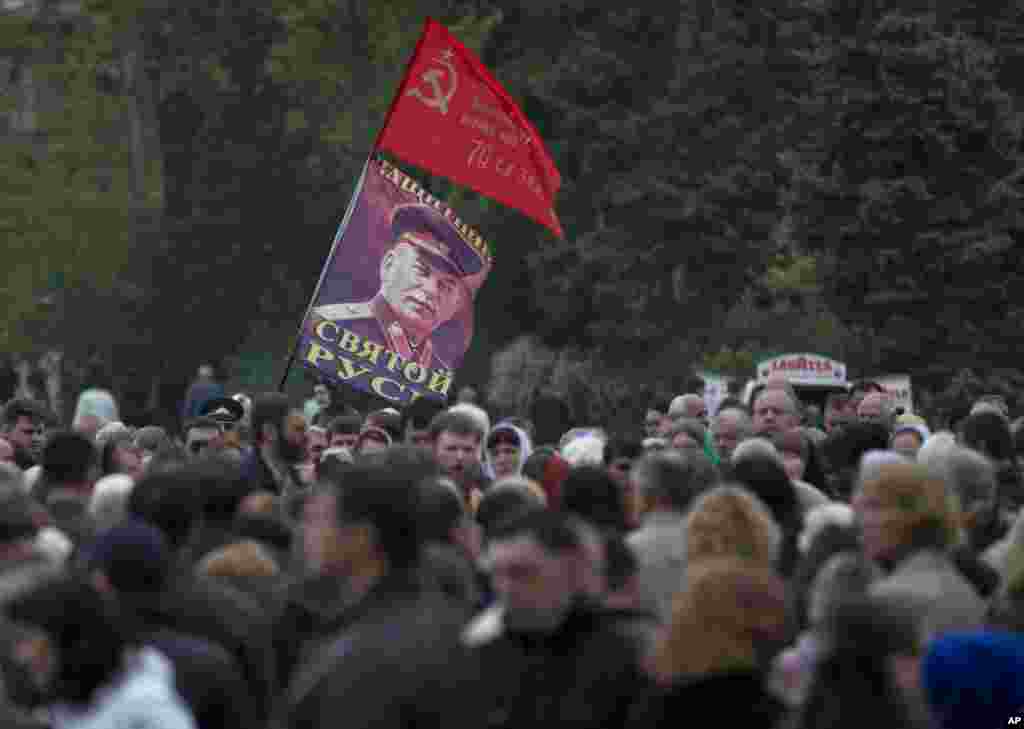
733	699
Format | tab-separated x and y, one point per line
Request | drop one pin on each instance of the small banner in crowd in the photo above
452	117
394	314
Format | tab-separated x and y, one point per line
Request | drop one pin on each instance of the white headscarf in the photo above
525	449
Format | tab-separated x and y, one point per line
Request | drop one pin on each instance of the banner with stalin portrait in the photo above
394	312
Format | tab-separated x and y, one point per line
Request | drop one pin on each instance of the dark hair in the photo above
441	511
523	424
107	464
345	425
591	494
990	434
22	408
269	408
500	505
659	405
221	485
620	562
264	529
134	556
151	438
620	447
387	500
454	423
533	467
420	413
68	457
389	423
765	477
89	636
555	532
169	499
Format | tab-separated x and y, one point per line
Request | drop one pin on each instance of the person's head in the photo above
416	421
988	433
23	426
202	437
974	679
6	451
149	440
456	438
590	494
422	290
908	440
109	500
876	407
322	395
467	394
205	373
586	449
867	666
131	557
670	481
775	409
69	460
372	440
69	653
619	456
316	442
686	434
343	431
795	449
367	526
534	564
445	518
902	509
688	406
478	415
729	521
170	499
837	409
728	609
222	488
279	428
118	454
821	517
505	500
508	447
656	413
766	478
729	428
17	515
389	420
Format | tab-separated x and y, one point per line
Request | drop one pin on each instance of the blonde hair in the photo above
239	560
726	608
729	521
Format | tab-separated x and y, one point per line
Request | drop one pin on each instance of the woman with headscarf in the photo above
506	451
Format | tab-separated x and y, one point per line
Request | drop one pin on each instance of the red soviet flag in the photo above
452	117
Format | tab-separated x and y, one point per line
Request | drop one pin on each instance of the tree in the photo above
911	190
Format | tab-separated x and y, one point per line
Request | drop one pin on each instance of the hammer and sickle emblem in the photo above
438	98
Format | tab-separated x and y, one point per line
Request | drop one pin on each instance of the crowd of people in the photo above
290	564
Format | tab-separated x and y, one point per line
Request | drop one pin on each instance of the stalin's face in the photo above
422	296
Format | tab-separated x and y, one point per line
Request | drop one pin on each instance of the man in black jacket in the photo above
544	655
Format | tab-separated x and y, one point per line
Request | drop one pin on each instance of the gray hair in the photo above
846	575
109	500
744	423
756	448
674	478
678	406
12	477
691	426
871	464
969	475
936	449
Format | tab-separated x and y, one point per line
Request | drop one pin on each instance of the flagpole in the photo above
355	198
323	273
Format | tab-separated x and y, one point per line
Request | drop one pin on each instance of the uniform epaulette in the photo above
345	312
